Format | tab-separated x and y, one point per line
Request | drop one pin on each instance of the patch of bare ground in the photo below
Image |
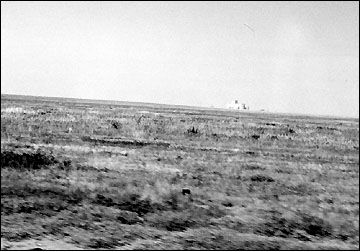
44	243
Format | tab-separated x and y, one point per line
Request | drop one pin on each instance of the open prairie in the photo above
115	175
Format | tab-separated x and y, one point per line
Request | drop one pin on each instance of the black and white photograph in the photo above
179	125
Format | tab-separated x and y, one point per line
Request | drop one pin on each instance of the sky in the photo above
289	57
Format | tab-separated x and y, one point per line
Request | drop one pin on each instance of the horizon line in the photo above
191	106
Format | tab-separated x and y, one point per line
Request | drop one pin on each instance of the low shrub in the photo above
27	161
284	227
261	178
193	130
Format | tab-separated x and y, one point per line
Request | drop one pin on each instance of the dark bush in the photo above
129	218
314	225
20	198
193	130
284	227
186	191
115	124
102	200
291	130
227	204
261	178
26	160
256	137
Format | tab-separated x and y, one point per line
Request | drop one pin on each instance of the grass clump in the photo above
194	216
131	202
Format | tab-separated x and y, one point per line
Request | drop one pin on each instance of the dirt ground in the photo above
45	243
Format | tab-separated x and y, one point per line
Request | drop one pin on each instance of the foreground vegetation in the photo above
138	176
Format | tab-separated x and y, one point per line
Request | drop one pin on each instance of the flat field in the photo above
81	174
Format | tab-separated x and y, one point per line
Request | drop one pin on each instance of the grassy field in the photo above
115	175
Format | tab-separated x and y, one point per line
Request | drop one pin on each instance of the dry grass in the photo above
116	180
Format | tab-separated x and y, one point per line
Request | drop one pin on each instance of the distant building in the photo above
237	106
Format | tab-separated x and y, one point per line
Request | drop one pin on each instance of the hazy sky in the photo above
300	57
